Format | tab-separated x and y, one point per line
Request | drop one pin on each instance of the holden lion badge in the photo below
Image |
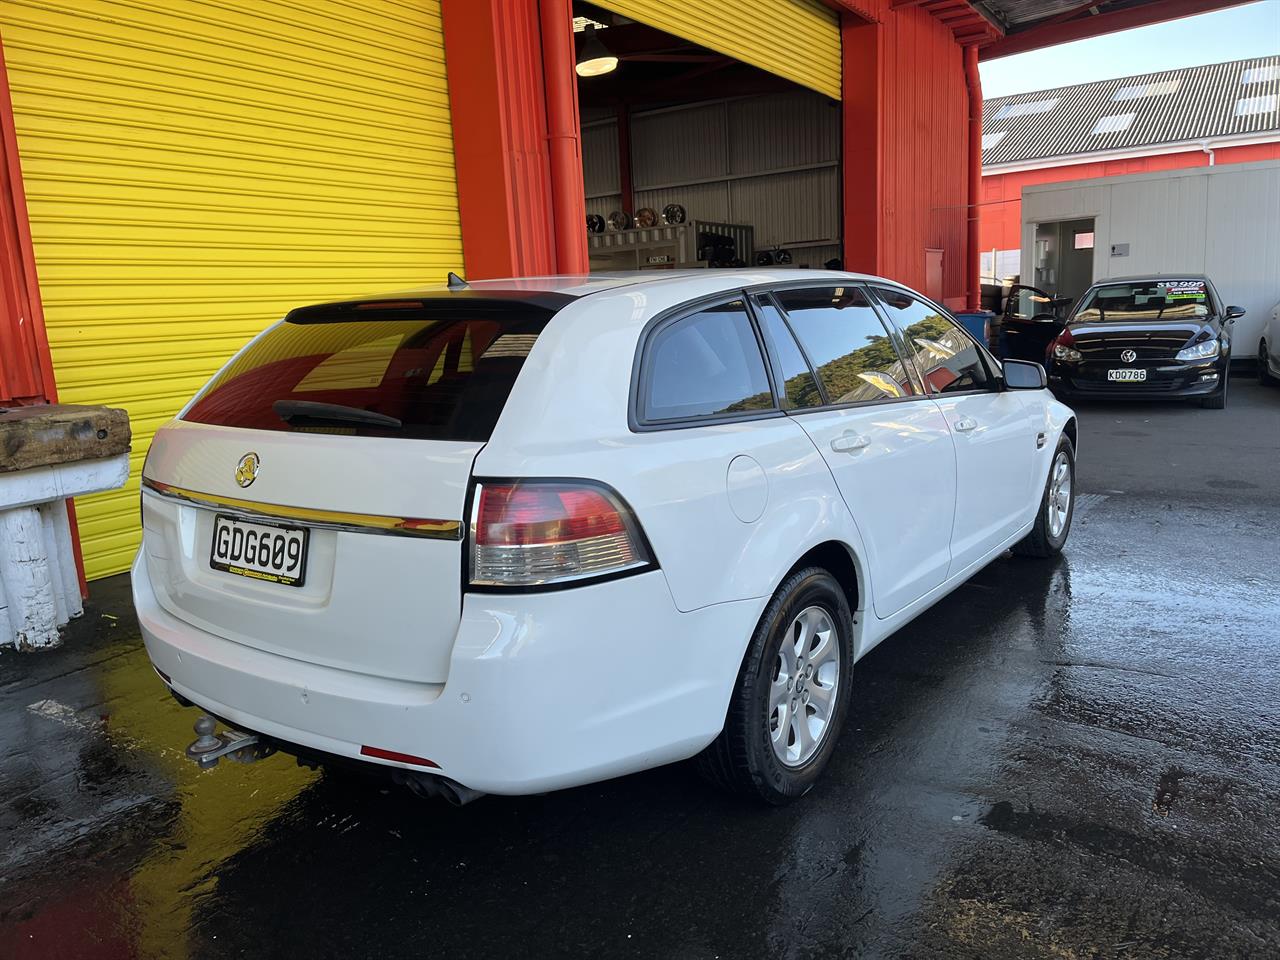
247	469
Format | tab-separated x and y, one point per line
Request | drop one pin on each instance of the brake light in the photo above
535	532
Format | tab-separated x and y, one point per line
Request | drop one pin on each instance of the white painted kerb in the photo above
39	589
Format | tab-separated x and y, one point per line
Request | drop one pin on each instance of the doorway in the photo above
693	159
1064	257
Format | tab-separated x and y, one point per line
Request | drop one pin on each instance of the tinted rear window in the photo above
706	364
419	371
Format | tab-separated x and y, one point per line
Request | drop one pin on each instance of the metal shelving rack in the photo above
664	247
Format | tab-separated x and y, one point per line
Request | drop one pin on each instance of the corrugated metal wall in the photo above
796	39
925	108
193	171
770	161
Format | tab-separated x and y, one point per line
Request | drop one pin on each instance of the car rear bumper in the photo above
545	690
1163	380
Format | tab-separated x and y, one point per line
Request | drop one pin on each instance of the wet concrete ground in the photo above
1068	759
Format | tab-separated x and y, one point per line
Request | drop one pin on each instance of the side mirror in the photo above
1024	375
1234	313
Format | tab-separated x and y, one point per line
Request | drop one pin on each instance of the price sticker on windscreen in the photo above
1185	290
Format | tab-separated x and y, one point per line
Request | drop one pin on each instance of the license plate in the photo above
261	551
1129	374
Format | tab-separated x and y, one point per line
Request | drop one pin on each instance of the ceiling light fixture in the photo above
594	58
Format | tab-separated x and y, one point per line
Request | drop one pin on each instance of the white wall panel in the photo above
1242	245
1223	221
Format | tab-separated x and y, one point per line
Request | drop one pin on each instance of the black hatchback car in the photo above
1154	336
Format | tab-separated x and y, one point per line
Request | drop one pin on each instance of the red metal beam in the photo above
972	254
26	367
564	136
498	110
862	103
1085	25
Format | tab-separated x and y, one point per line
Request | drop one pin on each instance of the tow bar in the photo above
209	747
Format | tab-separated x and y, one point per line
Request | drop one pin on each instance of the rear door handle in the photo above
850	443
965	423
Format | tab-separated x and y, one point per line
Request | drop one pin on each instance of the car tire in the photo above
761	752
1053	525
1218	401
1264	369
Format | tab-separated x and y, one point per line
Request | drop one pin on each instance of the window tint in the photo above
417	370
799	387
705	364
853	355
948	359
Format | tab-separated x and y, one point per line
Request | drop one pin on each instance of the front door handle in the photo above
966	423
850	443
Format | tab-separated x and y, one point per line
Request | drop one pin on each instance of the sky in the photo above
1251	30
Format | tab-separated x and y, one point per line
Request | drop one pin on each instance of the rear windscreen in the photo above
395	372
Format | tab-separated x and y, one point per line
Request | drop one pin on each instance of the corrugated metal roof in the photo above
1193	103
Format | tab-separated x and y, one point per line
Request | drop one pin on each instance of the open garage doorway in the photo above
694	159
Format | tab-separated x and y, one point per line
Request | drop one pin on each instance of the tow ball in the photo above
209	747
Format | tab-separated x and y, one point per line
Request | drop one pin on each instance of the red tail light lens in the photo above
535	532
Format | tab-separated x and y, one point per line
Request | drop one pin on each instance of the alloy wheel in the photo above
802	696
1059	494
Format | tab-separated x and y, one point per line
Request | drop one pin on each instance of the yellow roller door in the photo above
796	39
194	169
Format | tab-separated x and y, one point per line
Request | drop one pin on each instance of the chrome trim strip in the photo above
320	519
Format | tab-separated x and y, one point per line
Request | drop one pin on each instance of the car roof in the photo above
583	284
553	292
1146	277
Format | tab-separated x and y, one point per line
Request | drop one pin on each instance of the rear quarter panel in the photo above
567	417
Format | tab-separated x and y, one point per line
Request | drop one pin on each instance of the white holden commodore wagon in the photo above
526	534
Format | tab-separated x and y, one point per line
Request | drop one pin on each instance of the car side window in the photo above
799	388
946	356
705	364
849	347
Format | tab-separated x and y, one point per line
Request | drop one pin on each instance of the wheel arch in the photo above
1072	431
840	560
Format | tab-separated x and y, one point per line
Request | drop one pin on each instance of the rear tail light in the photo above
528	533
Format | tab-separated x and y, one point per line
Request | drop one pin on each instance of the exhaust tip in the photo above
432	787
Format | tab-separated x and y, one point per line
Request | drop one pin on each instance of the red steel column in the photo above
26	369
862	108
972	251
493	49
564	136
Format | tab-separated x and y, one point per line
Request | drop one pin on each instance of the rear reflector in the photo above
381	754
536	532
